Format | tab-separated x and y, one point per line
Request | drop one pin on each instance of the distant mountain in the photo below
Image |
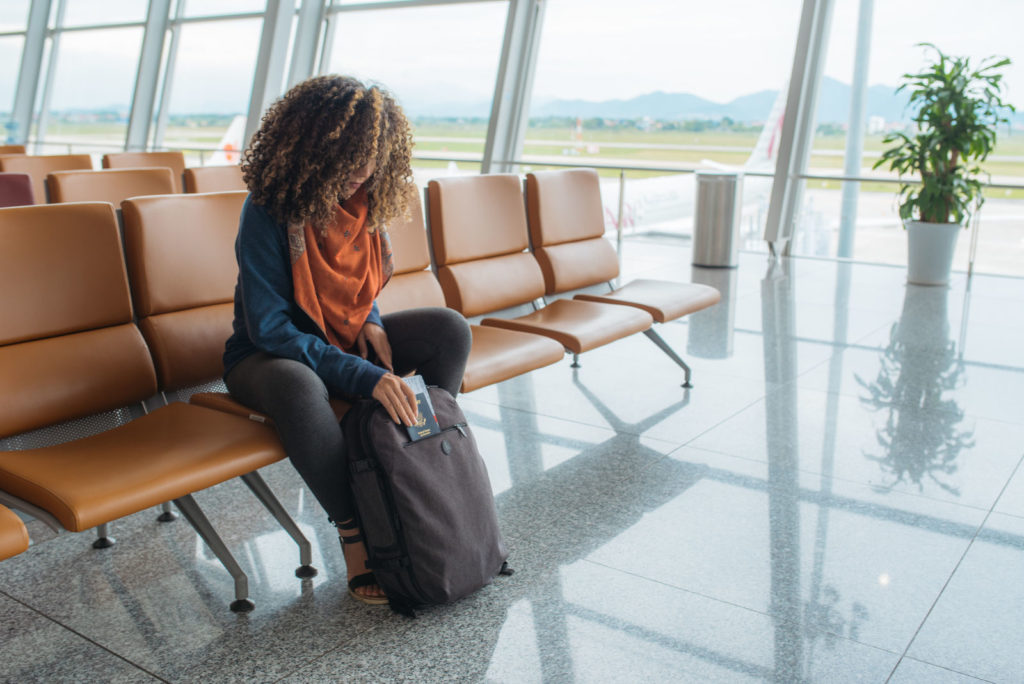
833	105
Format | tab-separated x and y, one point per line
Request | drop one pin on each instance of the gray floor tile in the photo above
975	627
160	599
961	459
36	649
838	564
579	621
911	671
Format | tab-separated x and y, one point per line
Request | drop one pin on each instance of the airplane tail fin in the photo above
229	149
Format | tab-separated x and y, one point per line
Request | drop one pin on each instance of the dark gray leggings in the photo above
433	341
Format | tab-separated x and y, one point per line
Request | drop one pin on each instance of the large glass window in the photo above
92	90
673	87
868	210
13	17
210	8
92	13
10	53
210	86
440	62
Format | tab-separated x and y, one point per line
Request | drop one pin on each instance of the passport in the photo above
426	422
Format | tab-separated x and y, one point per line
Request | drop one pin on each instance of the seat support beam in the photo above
663	346
267	498
195	516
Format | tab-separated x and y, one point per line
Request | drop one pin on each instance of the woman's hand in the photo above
398	398
374	336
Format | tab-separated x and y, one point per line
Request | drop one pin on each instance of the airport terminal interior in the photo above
838	497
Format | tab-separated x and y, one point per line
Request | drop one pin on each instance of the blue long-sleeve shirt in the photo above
267	318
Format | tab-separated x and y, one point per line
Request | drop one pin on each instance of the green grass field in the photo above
719	146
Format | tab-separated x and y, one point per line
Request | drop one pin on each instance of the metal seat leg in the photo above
663	346
103	538
195	516
262	491
167	513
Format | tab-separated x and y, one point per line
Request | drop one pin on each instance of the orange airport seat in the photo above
173	160
12	149
214	178
38	166
567	232
496	354
13	535
479	239
108	185
181	260
16	190
69	349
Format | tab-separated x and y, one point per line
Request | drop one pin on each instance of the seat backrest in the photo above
68	347
175	161
181	262
108	185
16	190
214	178
479	240
38	166
566	218
413	284
12	149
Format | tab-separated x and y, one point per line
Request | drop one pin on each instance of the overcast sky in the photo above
590	49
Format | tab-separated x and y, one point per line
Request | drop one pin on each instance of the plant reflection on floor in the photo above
919	369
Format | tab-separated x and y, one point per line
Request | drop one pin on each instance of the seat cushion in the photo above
222	401
664	300
410	291
13	535
173	451
499	354
579	326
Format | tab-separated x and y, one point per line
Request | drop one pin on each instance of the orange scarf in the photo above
338	272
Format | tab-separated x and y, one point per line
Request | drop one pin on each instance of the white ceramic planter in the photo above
930	251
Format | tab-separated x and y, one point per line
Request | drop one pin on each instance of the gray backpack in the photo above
425	507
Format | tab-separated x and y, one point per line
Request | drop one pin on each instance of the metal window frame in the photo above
144	95
270	61
506	128
798	124
29	71
312	14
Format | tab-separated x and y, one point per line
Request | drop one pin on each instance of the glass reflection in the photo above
921	439
711	329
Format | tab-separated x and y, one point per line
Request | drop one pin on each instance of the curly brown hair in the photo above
311	140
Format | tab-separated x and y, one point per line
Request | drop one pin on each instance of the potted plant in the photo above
957	110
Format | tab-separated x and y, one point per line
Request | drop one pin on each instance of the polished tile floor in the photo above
840	497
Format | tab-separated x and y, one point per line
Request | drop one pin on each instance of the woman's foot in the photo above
361	584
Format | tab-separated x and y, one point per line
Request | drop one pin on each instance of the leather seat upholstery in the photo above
16	190
173	160
567	231
38	166
496	354
214	178
69	349
479	238
108	185
181	261
13	535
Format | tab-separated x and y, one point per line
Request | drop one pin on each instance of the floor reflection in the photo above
920	370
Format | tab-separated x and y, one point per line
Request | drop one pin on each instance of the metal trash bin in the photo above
717	219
